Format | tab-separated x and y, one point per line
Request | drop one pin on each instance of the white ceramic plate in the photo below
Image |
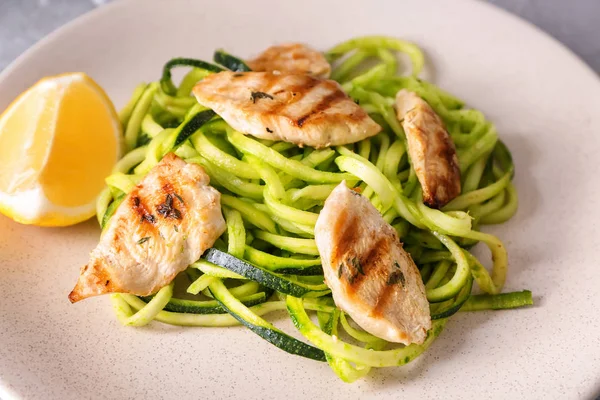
545	103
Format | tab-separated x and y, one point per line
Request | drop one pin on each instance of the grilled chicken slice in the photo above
371	276
291	58
431	150
167	221
294	108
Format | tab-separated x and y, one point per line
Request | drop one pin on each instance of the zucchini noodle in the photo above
272	193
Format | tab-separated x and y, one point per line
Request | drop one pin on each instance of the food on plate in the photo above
372	278
298	109
328	201
431	150
163	225
58	141
291	58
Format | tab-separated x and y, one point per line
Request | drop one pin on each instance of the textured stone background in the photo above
576	23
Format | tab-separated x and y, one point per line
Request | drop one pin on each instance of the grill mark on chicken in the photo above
140	252
328	101
371	260
166	186
450	187
299	109
376	253
348	234
371	276
368	262
143	212
382	301
298	92
430	148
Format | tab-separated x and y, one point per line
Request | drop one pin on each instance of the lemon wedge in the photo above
58	141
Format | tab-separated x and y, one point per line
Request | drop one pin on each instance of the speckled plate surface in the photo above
546	105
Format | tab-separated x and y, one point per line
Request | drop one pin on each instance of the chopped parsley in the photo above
260	95
356	264
166	209
396	277
179	198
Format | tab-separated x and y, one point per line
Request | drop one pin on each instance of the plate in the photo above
545	104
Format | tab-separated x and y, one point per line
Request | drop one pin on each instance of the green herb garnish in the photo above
260	95
395	277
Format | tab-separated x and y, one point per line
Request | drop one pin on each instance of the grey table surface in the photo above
576	23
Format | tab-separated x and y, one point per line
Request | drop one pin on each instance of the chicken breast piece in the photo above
371	277
432	152
163	225
294	108
292	58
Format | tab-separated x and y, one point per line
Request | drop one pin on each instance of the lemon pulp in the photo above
58	141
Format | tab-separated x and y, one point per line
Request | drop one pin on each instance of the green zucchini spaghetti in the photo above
272	193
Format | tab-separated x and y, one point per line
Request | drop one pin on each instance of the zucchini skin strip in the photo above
166	82
264	277
502	301
283	265
230	62
209	306
261	327
194	123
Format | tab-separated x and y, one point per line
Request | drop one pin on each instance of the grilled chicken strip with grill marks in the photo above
163	225
299	109
431	150
371	277
291	58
